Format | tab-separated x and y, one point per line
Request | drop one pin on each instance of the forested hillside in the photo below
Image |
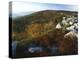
40	28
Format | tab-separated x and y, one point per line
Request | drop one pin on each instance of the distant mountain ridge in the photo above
14	15
19	14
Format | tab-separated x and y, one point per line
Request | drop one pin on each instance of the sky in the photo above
19	8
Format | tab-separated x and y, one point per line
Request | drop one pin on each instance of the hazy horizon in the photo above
25	8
